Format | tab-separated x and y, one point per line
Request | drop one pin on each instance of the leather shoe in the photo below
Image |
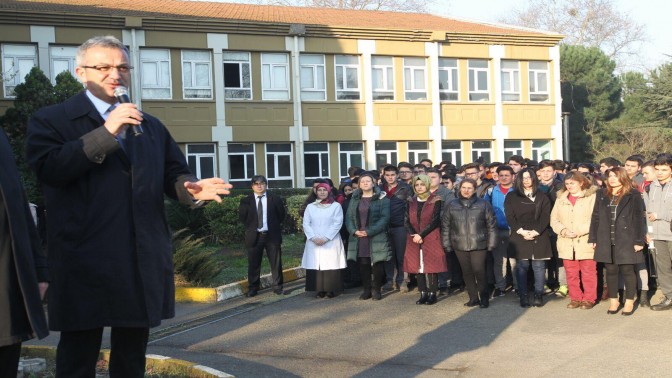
587	305
251	293
524	301
320	294
432	298
423	298
473	303
279	292
376	295
666	304
538	300
365	295
485	302
574	304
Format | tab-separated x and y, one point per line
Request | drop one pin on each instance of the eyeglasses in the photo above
124	68
405	172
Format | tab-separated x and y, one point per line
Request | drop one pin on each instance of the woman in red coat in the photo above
424	253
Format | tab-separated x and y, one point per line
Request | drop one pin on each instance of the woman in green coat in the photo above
367	221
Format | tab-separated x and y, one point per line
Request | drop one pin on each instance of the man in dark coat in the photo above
262	233
22	265
109	242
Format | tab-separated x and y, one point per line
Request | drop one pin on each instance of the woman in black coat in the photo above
528	212
469	227
618	234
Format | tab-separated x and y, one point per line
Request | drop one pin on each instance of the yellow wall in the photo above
331	46
400	48
333	114
258	113
402	114
176	39
15	33
412	133
527	52
256	43
76	36
465	50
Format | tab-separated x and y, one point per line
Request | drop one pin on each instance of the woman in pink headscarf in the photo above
323	255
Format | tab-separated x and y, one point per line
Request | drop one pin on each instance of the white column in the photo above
296	45
371	133
43	36
221	134
499	130
556	129
433	49
134	39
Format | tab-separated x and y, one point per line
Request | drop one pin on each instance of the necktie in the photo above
122	136
260	214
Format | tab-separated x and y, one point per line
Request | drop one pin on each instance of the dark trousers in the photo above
365	270
78	352
473	272
397	237
9	360
428	284
254	256
629	277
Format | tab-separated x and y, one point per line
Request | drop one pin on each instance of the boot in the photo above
524	301
485	300
366	294
538	300
644	299
376	294
432	298
423	298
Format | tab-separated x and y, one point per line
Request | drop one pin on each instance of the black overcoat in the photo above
30	262
630	229
522	212
275	215
109	243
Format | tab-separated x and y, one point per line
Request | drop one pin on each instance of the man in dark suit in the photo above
108	238
262	214
22	265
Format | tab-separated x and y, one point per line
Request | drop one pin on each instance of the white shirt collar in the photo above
100	105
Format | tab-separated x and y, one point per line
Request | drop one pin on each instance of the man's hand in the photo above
208	189
122	115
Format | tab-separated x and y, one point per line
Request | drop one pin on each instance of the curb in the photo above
235	289
155	363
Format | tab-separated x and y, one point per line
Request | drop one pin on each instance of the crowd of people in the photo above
586	231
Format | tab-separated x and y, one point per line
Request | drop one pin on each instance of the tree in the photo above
34	93
414	6
658	97
591	94
590	23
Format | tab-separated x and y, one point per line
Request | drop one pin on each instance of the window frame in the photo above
409	78
316	77
16	77
414	156
537	151
320	155
343	171
383	68
159	75
240	64
533	81
194	63
343	67
514	79
71	61
289	153
481	150
198	155
392	155
245	166
510	151
453	76
272	80
456	153
472	74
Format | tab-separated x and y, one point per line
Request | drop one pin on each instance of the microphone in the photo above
121	93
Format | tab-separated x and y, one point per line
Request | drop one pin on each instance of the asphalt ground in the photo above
297	335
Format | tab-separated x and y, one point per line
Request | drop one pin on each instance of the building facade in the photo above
301	93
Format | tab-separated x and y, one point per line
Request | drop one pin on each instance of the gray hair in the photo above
107	41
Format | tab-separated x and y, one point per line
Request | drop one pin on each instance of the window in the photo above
510	80
448	75
386	153
313	78
417	151
538	81
451	150
478	80
155	74
279	165
202	159
350	155
512	147
241	164
415	79
275	77
237	76
196	74
62	58
17	61
482	150
382	74
315	161
347	77
541	150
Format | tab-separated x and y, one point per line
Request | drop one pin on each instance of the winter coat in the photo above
567	217
323	221
522	212
110	246
658	200
21	313
379	218
428	226
398	203
469	224
630	229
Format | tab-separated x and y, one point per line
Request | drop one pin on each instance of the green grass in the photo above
234	259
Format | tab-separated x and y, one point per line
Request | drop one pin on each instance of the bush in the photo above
294	222
181	217
222	220
196	264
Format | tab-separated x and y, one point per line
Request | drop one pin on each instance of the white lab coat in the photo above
323	221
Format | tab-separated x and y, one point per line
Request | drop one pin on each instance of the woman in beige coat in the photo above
570	219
